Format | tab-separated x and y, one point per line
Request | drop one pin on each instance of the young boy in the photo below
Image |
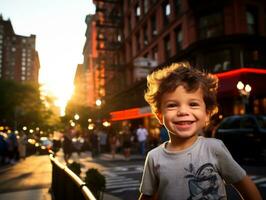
188	166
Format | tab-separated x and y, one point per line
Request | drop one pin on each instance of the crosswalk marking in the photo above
123	186
125	189
121	182
117	182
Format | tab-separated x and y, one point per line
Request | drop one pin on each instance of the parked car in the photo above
44	145
244	136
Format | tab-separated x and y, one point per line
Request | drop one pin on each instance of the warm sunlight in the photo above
62	93
60	30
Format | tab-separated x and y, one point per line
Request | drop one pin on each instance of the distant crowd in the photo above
12	147
104	140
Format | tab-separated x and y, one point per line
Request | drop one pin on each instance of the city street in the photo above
31	178
123	177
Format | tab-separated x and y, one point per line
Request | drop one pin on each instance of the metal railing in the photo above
66	184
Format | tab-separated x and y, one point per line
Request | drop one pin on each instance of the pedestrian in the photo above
12	146
95	143
3	149
142	135
22	144
127	144
113	140
67	146
102	139
188	166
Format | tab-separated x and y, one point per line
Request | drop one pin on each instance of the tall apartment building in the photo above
19	60
226	37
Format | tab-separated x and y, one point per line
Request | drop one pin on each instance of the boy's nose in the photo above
182	111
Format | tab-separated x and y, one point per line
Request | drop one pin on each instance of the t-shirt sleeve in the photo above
230	170
149	184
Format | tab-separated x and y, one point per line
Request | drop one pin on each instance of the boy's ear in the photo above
159	117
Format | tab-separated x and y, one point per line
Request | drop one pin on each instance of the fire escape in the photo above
109	39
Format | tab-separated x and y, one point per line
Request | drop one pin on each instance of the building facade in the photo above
19	61
226	38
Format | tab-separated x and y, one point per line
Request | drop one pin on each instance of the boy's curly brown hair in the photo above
169	78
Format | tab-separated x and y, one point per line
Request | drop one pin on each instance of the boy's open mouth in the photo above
184	122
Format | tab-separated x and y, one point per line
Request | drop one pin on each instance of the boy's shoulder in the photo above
157	150
210	140
212	143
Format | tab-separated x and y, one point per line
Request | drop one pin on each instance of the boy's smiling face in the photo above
183	113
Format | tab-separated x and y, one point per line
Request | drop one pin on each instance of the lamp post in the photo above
244	91
98	103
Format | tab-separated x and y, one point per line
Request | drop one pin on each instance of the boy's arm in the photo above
248	189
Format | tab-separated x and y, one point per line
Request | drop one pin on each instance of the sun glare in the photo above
62	93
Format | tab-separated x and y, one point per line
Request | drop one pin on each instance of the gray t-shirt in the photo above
197	172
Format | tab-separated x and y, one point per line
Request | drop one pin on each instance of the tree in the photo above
21	105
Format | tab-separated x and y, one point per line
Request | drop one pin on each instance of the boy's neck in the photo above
179	144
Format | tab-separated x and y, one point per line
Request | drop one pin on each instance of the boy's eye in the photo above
171	105
193	104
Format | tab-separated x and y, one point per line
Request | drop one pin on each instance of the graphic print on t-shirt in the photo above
203	182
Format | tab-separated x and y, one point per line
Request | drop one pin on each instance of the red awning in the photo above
132	113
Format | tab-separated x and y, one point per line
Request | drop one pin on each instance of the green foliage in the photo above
21	105
75	167
95	182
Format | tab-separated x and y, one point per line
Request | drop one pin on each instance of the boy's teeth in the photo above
184	123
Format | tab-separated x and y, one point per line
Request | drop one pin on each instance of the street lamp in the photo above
76	117
98	103
244	91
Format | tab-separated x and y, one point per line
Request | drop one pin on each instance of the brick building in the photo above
226	37
19	60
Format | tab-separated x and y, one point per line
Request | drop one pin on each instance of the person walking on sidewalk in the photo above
142	135
189	166
127	144
67	145
113	140
22	144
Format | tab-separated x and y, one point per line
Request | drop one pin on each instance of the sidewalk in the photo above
30	179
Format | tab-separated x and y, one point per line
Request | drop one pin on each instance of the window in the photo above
211	25
254	58
146	6
166	12
154	25
218	61
155	53
137	12
145	35
119	39
100	35
167	47
179	38
177	5
252	19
